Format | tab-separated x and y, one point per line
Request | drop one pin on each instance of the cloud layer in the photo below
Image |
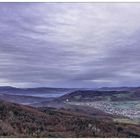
70	44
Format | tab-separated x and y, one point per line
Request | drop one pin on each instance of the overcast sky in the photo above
69	44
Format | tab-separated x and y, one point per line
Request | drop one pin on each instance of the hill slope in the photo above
24	121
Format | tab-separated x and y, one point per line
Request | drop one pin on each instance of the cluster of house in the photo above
109	108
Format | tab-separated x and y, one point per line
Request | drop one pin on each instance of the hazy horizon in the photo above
70	45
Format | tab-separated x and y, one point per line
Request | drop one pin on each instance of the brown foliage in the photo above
24	121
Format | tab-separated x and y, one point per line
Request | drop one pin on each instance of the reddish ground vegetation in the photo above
24	121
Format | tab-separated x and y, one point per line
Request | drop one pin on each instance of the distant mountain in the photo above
30	95
118	88
5	89
91	95
37	89
29	91
22	99
87	93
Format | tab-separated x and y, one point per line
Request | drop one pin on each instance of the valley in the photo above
111	109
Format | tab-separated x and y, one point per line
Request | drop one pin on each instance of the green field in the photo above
126	121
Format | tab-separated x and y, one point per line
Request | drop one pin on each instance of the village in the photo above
108	107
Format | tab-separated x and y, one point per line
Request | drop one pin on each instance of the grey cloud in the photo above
69	44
